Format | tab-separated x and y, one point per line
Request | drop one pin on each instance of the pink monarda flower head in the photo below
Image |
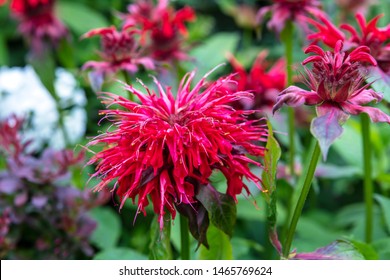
38	23
293	10
120	51
165	148
337	89
162	28
263	81
377	39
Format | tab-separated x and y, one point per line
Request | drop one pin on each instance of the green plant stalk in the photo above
368	184
302	198
128	81
184	238
288	40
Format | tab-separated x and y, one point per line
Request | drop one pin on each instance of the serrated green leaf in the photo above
384	204
271	159
119	254
79	17
220	246
108	230
160	244
221	207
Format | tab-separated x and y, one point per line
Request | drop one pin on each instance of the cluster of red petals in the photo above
377	39
166	147
162	27
336	81
289	10
263	81
120	51
38	22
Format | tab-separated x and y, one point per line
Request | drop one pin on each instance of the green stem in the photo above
128	81
185	241
301	201
368	185
288	40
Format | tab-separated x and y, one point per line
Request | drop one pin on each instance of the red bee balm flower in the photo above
38	22
162	27
167	147
294	10
337	89
377	39
120	51
264	84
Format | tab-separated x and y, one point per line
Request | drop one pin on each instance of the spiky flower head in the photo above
337	89
166	148
369	35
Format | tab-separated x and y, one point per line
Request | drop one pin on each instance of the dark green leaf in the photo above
221	208
79	17
119	254
382	247
160	245
220	246
109	228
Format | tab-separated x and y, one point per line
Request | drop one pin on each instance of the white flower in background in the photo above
22	94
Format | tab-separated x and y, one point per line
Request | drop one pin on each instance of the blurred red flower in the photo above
263	81
162	27
38	22
285	10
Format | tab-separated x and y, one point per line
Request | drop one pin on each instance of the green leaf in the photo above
220	246
79	17
271	159
242	248
365	249
221	207
160	245
108	230
338	250
380	82
119	254
45	67
384	204
212	52
65	54
3	51
382	247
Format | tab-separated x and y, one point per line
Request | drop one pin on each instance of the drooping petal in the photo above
375	114
294	96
